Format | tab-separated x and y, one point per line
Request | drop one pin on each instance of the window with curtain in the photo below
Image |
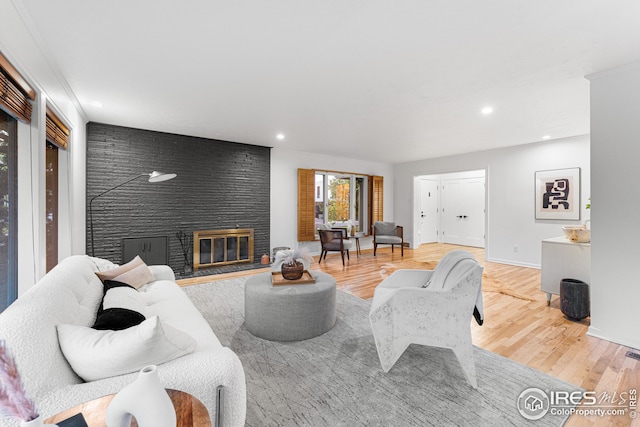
339	198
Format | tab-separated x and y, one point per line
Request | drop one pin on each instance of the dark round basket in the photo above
292	272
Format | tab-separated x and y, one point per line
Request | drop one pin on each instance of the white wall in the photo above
510	193
284	189
615	148
23	51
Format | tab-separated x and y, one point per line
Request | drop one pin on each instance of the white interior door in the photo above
463	216
473	212
428	211
452	211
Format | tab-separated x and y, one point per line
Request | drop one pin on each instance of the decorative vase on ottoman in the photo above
292	271
146	400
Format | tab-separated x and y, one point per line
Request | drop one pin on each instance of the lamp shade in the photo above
156	176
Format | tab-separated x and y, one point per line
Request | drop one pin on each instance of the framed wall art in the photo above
558	194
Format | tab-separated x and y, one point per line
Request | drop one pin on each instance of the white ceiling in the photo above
385	81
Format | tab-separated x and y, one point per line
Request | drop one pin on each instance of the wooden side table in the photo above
190	412
357	237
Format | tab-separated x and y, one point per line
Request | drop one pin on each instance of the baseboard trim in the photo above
625	341
511	262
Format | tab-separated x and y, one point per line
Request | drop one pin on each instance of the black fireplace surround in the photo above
219	185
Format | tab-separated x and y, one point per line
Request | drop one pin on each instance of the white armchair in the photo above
429	307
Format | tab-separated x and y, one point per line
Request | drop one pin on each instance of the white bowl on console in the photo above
577	233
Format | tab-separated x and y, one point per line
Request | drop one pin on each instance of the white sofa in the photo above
70	294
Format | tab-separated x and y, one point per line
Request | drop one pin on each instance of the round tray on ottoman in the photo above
289	312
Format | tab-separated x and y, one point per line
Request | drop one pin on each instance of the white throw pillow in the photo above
95	354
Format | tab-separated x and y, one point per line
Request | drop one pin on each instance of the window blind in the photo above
15	93
57	132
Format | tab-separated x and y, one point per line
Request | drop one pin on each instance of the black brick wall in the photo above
219	185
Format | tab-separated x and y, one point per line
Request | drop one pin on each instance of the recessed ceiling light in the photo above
97	104
280	136
487	110
546	137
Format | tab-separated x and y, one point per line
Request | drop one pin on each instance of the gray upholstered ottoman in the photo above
289	312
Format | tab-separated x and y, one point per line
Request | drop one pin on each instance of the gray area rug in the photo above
336	380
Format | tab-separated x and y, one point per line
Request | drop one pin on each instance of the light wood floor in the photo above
518	323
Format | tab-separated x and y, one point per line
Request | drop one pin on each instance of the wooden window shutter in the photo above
57	132
376	199
306	204
15	93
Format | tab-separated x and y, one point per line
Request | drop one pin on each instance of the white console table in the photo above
562	258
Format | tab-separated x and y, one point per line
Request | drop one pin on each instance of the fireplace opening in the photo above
222	247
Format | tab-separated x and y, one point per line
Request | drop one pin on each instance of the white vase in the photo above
146	400
36	422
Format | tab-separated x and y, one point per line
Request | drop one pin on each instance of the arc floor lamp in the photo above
154	176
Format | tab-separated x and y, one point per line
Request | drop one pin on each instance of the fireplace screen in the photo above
221	247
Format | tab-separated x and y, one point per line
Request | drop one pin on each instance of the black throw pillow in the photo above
120	307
